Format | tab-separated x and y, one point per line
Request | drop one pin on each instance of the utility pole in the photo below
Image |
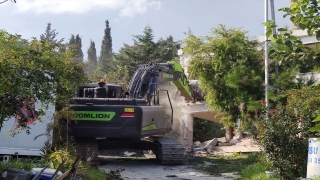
273	17
266	19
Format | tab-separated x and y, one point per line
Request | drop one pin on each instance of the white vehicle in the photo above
23	143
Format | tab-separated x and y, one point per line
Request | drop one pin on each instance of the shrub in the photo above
204	130
25	164
284	136
94	174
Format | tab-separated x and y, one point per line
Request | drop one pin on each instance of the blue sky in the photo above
29	18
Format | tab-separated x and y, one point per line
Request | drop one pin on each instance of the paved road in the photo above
148	169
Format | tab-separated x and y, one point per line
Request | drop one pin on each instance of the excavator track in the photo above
87	148
170	151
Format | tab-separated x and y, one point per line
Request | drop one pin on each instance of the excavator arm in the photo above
145	79
181	81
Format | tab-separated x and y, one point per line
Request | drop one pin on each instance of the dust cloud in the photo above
176	99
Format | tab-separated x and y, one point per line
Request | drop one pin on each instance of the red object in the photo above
127	115
272	111
26	110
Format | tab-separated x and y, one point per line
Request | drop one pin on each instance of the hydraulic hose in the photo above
183	78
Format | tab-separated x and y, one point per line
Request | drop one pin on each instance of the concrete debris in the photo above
210	144
209	148
201	153
149	154
196	144
218	146
129	154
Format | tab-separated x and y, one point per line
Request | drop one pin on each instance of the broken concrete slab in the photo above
196	144
212	143
149	155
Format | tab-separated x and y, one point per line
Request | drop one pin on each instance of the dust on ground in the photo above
149	169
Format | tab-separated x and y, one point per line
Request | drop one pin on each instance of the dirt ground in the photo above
148	169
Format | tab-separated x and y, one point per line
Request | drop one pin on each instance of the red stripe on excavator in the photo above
127	115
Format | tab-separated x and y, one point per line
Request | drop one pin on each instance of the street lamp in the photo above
266	51
266	19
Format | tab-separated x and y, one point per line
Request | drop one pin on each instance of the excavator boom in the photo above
181	83
146	79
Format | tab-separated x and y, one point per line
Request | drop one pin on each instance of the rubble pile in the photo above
213	146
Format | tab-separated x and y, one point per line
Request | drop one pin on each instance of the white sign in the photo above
313	168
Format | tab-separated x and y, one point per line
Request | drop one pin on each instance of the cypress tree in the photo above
78	43
92	54
72	40
75	44
106	47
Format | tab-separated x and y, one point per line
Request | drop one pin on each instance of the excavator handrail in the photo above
169	102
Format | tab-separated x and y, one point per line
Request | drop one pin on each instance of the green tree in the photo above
75	45
34	69
284	136
106	47
146	46
51	35
119	76
293	58
92	62
289	51
79	53
305	14
144	50
92	54
72	40
230	70
63	47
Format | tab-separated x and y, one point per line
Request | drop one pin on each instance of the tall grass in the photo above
257	165
92	172
25	164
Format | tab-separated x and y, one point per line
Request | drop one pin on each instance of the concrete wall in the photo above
183	114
